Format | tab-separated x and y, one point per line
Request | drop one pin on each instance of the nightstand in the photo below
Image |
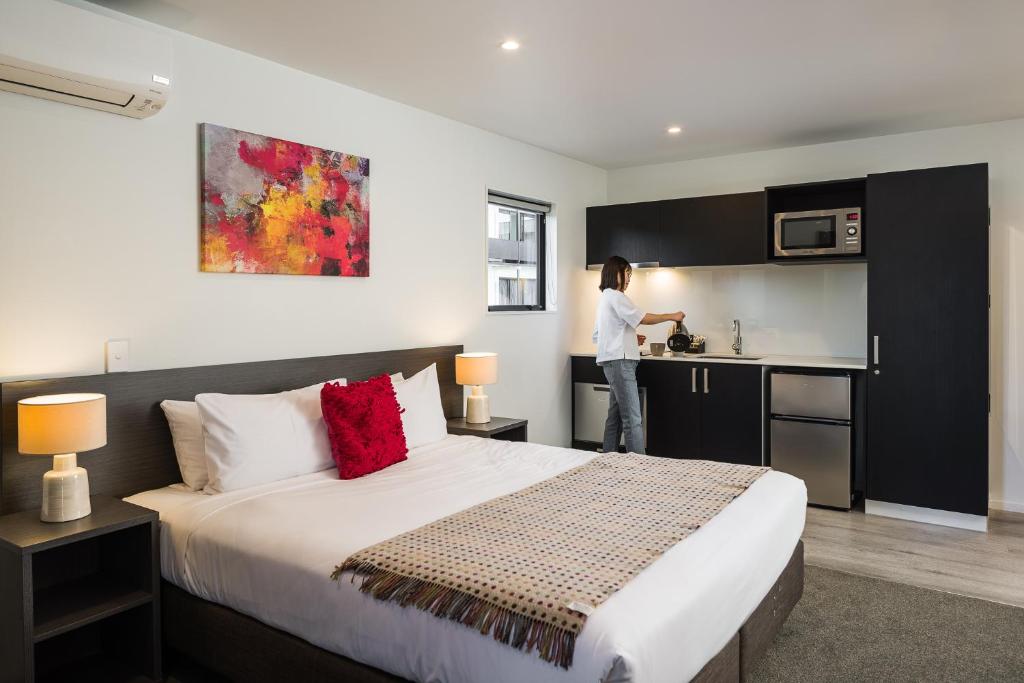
504	428
80	600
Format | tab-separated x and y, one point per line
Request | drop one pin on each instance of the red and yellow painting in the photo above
273	206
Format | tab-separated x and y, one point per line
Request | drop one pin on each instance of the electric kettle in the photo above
679	340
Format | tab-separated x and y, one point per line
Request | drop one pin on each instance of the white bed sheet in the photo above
267	551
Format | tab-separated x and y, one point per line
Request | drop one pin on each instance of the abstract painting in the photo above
273	206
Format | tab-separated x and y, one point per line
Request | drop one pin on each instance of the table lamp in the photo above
476	369
62	425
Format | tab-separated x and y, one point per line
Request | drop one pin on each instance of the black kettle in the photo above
679	340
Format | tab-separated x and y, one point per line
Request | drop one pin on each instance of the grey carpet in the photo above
853	628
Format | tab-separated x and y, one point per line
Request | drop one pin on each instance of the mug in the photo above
657	348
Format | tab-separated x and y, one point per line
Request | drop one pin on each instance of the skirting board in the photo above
1005	505
927	515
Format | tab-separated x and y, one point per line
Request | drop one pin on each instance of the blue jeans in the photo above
623	407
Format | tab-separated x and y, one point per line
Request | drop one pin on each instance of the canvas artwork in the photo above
274	206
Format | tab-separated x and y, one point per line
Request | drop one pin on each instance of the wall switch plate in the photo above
118	355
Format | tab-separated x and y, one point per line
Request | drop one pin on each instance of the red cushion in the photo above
364	424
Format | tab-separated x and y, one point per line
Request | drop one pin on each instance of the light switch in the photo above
118	355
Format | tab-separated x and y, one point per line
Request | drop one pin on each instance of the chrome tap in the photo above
737	340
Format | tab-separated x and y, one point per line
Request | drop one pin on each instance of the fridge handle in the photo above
693	380
707	387
876	349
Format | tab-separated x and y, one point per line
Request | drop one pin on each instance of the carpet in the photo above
854	628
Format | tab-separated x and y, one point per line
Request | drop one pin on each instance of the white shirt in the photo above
615	327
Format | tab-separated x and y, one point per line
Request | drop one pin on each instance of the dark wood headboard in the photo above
139	454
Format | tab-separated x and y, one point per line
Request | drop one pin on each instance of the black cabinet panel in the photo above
927	398
731	415
586	369
627	230
713	231
673	410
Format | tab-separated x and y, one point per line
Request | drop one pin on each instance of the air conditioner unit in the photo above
63	53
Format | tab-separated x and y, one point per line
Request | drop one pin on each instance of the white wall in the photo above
99	235
1000	144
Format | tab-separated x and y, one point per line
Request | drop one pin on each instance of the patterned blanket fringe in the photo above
554	644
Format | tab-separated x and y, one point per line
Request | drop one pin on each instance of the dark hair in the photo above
613	275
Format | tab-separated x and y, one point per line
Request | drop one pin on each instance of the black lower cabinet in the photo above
673	411
709	411
731	418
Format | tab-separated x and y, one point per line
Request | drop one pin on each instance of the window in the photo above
516	254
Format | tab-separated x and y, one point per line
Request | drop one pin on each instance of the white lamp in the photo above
476	369
62	425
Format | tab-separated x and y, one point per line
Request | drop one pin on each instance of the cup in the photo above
657	348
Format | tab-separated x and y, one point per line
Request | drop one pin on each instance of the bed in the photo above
246	572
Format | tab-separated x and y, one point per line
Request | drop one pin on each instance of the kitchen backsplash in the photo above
816	310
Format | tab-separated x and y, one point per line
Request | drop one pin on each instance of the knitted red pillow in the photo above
364	425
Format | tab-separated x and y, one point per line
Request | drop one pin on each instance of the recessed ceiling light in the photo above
510	45
675	130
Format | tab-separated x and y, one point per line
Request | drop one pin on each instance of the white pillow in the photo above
189	446
423	419
186	425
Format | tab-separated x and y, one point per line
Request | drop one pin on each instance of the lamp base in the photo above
65	490
478	407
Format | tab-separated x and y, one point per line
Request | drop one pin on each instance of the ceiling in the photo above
601	80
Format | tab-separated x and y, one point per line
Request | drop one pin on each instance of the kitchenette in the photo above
821	339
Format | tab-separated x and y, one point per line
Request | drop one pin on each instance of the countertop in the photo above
773	360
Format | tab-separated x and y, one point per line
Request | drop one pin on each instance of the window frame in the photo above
541	209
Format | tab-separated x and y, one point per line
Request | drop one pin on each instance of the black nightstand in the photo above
80	600
505	428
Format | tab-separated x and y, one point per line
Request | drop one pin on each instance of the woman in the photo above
618	353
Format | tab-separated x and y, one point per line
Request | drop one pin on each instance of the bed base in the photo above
245	649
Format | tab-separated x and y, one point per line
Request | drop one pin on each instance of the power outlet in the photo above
118	355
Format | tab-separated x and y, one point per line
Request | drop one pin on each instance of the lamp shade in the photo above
62	423
476	368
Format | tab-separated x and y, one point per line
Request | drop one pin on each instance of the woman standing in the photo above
618	353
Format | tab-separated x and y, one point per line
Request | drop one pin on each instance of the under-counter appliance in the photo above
590	411
812	433
828	232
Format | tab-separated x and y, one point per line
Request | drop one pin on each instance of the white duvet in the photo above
268	551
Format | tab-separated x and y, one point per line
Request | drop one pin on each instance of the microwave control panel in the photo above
853	232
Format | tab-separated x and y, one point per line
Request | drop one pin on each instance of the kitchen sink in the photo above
728	356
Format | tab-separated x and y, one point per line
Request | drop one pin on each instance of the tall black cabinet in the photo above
928	337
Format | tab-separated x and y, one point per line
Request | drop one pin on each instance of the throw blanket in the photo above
529	567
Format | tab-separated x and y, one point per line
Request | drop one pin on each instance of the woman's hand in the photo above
678	316
640	339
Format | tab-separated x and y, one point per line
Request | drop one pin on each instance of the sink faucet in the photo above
737	340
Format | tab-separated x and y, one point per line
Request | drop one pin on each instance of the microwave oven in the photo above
831	232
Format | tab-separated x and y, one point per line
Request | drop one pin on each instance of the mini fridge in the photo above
811	433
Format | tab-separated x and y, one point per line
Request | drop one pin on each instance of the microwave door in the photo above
808	234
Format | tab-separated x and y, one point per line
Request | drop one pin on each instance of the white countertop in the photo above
773	360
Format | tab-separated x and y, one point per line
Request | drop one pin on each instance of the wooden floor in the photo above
982	565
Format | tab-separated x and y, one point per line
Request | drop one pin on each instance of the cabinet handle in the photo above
693	380
876	349
707	385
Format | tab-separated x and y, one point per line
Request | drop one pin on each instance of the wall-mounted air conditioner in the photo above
63	53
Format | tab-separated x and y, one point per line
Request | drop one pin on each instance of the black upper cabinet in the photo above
731	418
927	436
627	230
721	230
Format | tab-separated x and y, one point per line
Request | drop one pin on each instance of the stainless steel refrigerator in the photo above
812	433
